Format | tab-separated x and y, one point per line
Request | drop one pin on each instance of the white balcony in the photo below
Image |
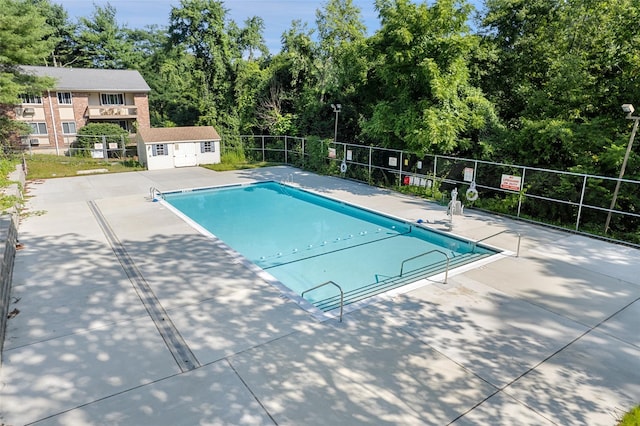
112	113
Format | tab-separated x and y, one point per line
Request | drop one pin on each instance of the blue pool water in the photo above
303	240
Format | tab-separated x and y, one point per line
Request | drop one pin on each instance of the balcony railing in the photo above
125	111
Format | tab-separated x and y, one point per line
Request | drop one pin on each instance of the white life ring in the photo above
343	167
472	194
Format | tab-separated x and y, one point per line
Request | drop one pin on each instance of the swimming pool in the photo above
304	239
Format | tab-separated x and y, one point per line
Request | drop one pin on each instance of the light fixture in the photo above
336	108
628	108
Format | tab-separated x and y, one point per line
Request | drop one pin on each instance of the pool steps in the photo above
391	283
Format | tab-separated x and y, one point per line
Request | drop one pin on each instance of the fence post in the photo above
401	166
524	172
286	148
124	147
435	168
105	153
262	137
584	187
370	163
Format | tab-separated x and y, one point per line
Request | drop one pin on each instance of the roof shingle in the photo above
178	134
91	79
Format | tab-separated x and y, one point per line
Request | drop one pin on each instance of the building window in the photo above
207	147
124	125
69	127
159	149
31	99
38	128
112	98
64	98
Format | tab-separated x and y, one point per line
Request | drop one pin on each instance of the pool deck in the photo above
129	316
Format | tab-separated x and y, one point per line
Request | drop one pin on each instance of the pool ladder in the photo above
288	179
324	284
446	271
153	192
498	233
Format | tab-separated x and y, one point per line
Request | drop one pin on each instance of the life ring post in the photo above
472	192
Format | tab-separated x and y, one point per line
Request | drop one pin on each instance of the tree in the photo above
23	41
101	133
200	28
561	70
62	35
339	26
419	88
250	38
101	42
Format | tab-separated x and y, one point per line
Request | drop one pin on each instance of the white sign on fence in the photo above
510	182
468	174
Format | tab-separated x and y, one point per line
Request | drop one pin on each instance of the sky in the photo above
277	14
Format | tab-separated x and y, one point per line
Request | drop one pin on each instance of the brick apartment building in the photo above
82	96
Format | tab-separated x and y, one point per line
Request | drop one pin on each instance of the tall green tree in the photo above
314	69
559	72
339	25
285	76
62	32
251	38
202	29
419	87
24	40
101	42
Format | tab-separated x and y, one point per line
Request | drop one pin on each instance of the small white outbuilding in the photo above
169	147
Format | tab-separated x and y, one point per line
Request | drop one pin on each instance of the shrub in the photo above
94	133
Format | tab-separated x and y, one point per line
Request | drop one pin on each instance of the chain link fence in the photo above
572	201
100	146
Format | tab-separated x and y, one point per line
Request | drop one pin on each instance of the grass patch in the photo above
632	418
7	165
224	167
236	160
43	166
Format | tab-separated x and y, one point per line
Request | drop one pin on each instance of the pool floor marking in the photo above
173	339
277	265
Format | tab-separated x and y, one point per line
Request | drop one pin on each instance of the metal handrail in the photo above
327	283
288	179
153	191
446	272
498	233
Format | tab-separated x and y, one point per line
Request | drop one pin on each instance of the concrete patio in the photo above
129	316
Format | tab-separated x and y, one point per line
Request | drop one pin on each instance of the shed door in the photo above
184	154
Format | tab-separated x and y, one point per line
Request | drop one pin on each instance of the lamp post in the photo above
336	109
628	108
